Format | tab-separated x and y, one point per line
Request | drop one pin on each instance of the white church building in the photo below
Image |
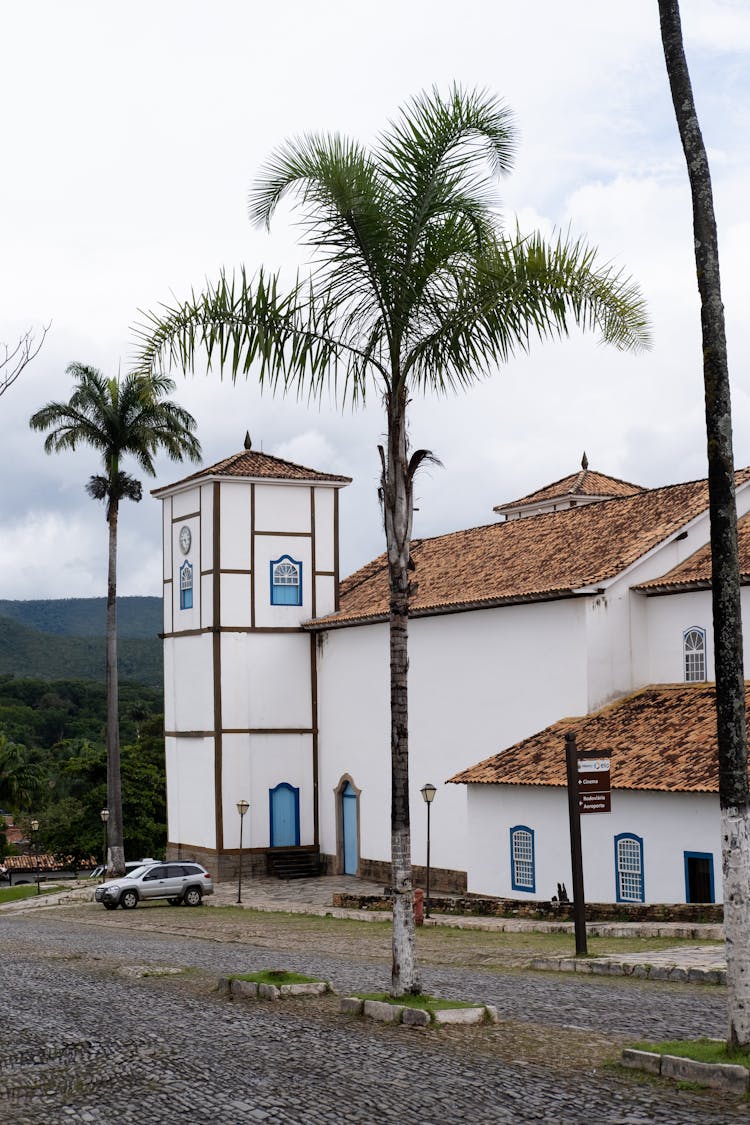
585	605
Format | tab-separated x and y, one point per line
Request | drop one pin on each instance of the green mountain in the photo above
86	617
65	639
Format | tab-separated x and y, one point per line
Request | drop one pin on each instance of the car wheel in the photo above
128	900
193	896
174	901
110	906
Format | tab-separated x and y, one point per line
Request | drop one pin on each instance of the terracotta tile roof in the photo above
251	463
549	556
21	863
695	571
583	483
660	738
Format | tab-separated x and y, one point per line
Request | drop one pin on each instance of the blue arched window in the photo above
522	869
286	581
186	586
694	653
629	868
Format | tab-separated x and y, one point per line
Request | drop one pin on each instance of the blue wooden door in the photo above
284	816
349	822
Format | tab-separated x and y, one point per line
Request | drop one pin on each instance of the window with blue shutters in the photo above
286	581
629	868
186	586
522	872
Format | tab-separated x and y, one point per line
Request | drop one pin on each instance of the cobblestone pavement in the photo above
85	1040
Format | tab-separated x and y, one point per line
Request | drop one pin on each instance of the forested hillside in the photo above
86	617
64	639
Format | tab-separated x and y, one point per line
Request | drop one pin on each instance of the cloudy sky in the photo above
132	131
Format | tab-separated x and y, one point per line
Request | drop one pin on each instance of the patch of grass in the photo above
275	977
700	1050
27	890
422	1001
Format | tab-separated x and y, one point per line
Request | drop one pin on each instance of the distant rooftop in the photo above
250	464
583	487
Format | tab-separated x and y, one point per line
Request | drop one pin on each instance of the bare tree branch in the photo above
14	360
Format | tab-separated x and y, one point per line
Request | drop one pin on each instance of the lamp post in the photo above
34	829
242	807
104	814
428	792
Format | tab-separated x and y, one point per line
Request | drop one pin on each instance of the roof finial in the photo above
584	461
248	442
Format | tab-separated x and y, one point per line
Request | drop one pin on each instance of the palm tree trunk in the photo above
116	857
398	514
730	685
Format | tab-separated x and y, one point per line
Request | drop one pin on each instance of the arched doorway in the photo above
347	818
284	801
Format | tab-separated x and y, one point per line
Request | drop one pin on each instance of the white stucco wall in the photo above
324	530
669	824
266	681
191	817
252	765
188	683
478	682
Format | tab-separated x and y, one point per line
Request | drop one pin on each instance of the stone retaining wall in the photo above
550	911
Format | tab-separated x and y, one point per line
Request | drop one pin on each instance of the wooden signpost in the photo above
589	781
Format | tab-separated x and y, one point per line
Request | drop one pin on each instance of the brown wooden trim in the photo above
167	581
312	550
325	573
286	535
269	730
205	573
314	716
200	557
187	516
235	570
252	555
336	549
189	734
218	748
234	629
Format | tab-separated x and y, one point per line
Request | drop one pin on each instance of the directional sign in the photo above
594	784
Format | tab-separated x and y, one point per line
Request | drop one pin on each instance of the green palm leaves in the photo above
118	418
414	279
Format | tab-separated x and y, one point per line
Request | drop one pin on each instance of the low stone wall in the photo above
443	880
549	911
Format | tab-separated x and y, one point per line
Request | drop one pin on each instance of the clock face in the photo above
185	539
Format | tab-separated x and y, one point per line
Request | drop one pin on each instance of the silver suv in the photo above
176	882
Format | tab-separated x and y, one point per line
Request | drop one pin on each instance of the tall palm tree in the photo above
118	418
416	288
734	797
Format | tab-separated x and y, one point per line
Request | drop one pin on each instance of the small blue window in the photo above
186	586
629	868
522	871
286	581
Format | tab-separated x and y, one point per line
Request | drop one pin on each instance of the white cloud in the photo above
135	133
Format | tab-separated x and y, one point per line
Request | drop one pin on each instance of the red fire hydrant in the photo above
419	907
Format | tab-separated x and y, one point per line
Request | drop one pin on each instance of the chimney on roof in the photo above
248	442
584	461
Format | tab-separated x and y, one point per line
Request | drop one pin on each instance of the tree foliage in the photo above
416	287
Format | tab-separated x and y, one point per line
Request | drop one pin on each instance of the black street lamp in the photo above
428	792
104	814
242	807
34	829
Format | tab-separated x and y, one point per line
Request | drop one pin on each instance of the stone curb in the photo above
252	990
416	1017
639	970
718	1076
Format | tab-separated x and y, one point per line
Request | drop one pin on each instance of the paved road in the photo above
82	1042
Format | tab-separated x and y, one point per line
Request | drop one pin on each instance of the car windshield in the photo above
135	872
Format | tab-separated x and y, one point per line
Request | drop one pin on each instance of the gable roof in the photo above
661	738
553	555
255	465
585	484
694	573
